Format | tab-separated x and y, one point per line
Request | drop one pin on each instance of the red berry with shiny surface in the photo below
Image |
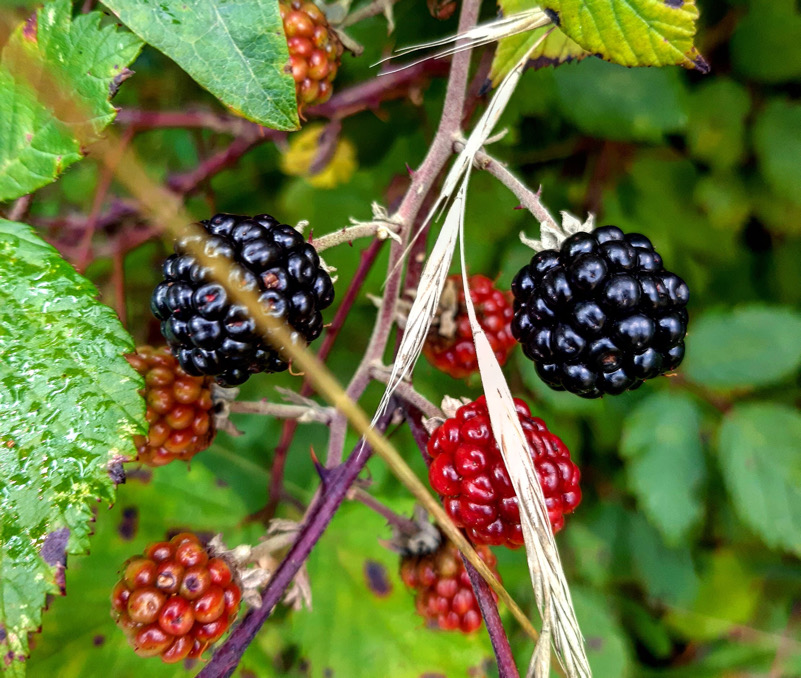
449	346
468	473
443	592
176	601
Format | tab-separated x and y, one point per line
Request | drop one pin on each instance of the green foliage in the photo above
361	624
46	62
243	48
614	102
683	556
747	347
758	449
82	639
68	407
662	442
632	32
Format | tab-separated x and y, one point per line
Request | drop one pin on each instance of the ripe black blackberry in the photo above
211	335
600	315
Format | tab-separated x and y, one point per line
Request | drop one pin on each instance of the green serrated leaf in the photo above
556	49
56	77
68	410
778	147
728	595
747	347
665	462
764	46
607	647
79	638
236	50
667	574
609	101
366	625
632	32
759	454
716	129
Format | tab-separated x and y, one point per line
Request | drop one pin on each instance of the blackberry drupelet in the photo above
179	408
443	592
454	352
315	51
175	600
468	473
601	315
212	335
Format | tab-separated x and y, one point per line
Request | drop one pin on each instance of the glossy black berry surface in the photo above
601	315
212	335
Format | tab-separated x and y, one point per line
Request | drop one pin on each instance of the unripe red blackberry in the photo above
314	51
175	600
601	314
443	592
449	346
178	408
468	473
209	332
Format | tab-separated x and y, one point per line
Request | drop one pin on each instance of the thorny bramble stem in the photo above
274	491
422	182
492	619
303	413
405	525
338	481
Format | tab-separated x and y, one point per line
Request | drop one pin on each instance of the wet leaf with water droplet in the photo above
68	409
55	80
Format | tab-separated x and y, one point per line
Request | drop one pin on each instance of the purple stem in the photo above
339	479
489	610
486	600
275	490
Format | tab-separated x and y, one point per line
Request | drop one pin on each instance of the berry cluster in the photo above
600	315
210	334
468	472
444	595
454	352
175	601
314	50
178	408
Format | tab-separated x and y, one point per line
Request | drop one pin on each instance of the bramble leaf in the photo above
746	347
758	449
236	50
632	32
363	621
68	410
56	77
556	49
665	462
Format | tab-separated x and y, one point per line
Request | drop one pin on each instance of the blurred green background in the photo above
683	557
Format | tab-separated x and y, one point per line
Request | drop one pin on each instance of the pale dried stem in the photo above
405	391
528	198
303	413
347	235
422	181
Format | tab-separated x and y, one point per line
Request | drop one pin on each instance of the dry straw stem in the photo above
165	211
547	576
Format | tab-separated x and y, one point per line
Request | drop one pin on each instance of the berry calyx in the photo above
212	335
449	346
600	315
468	473
443	592
179	408
170	608
315	51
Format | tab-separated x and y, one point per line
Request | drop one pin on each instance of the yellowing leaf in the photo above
632	32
